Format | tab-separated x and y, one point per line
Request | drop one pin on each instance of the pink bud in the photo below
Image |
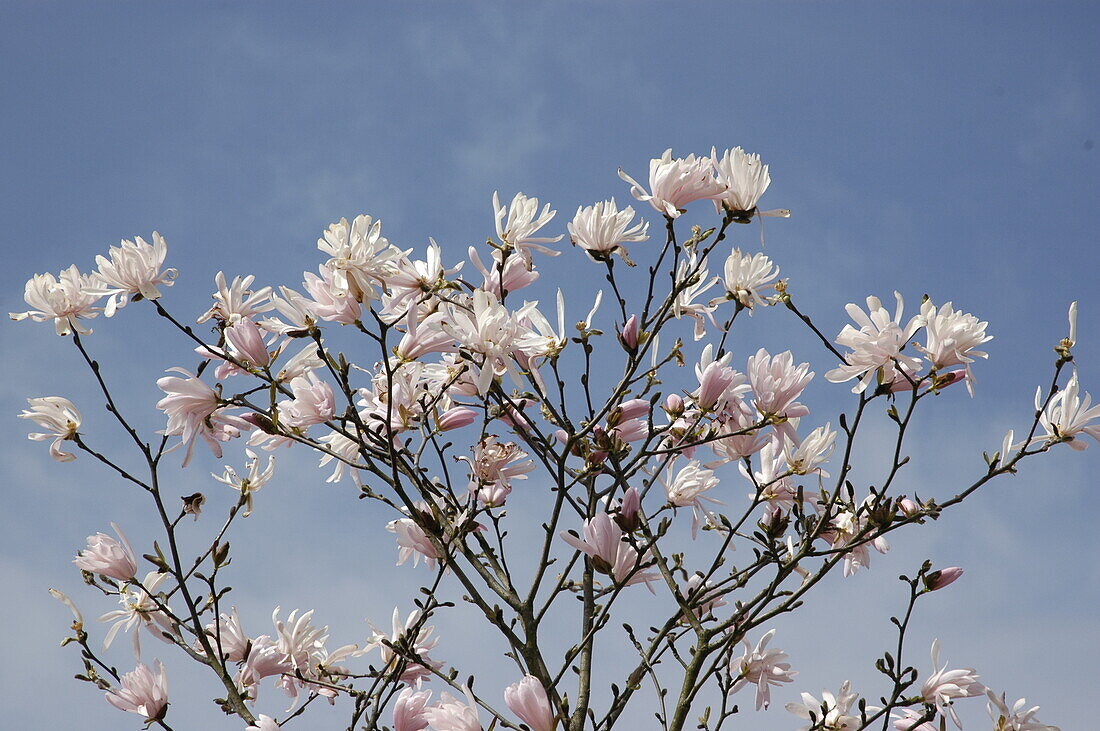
527	699
674	405
627	517
943	577
630	333
456	418
909	507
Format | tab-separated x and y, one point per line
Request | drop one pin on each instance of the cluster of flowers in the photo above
458	341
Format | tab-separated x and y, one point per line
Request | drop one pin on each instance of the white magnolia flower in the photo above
518	222
943	686
235	301
952	338
59	417
807	457
602	229
746	275
745	179
139	609
675	182
134	268
65	299
831	712
361	257
763	667
411	646
876	345
1068	415
451	714
252	479
1017	718
693	287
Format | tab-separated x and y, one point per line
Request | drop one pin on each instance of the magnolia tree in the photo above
449	398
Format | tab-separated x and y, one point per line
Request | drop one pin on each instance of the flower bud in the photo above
909	507
939	579
527	699
456	418
674	405
627	516
630	333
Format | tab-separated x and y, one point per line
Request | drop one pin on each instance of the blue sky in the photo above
939	148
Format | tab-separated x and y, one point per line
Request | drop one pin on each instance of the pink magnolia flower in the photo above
424	336
451	714
108	557
331	301
493	467
745	277
718	383
602	229
527	699
518	222
412	282
142	692
134	268
876	346
763	667
314	402
505	275
246	343
675	182
227	633
943	686
264	660
745	179
776	385
236	301
413	542
65	299
409	710
192	410
604	545
738	417
61	420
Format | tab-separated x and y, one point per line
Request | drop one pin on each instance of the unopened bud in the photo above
674	405
939	579
630	333
456	418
